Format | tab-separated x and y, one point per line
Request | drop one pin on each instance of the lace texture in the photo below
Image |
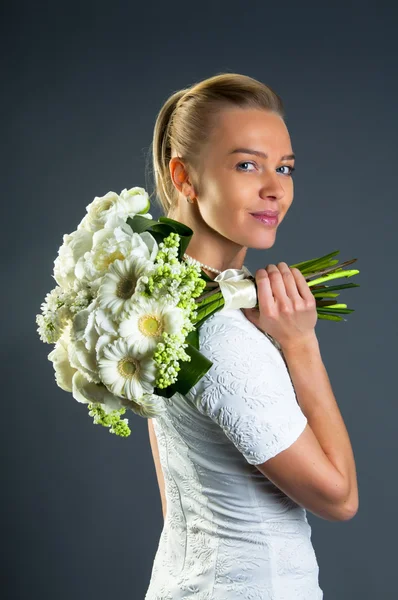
229	532
248	391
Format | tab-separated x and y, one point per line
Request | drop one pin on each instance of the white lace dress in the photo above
229	532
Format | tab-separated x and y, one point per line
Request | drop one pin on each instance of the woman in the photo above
259	439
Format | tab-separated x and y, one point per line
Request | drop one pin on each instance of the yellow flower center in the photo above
127	367
150	325
125	288
110	258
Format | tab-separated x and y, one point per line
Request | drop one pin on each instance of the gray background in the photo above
83	82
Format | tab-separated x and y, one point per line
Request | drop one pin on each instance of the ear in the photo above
179	177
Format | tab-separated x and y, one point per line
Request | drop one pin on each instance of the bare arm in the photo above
317	470
318	403
158	467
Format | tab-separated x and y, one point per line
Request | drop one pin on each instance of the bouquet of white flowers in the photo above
125	314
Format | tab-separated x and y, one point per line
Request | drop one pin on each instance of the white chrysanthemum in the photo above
64	371
121	285
80	301
56	313
148	319
126	371
75	245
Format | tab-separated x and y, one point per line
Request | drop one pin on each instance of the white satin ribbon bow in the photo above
238	292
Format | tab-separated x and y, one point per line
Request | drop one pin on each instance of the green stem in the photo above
206	295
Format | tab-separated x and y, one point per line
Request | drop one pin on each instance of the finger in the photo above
277	285
302	285
265	296
289	281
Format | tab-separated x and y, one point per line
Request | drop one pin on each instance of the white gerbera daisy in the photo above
148	319
117	292
126	371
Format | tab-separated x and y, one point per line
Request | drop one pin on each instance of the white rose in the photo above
137	200
98	211
108	210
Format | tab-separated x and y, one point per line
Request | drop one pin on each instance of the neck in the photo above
207	246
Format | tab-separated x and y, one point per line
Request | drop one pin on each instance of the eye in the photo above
245	163
288	167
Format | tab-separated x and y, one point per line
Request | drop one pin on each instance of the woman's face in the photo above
234	182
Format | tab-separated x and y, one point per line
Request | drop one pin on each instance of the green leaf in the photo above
329	317
314	261
161	229
211	298
335	275
329	288
319	266
326	310
190	373
183	231
193	338
139	224
217	304
176	226
325	294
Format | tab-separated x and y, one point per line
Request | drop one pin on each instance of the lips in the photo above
266	213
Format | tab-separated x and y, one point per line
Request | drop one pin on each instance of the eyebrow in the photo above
259	153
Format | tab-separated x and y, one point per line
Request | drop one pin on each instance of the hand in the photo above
286	305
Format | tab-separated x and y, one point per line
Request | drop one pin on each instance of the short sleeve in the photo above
247	391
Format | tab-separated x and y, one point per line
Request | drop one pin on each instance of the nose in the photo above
272	185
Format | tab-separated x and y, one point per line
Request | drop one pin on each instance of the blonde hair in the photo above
185	121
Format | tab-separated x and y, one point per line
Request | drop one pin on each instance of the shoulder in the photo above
230	330
241	355
247	391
